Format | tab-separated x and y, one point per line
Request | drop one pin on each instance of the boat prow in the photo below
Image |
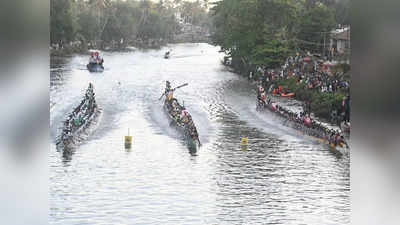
341	149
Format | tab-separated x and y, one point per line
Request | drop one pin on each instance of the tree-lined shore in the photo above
116	24
265	33
255	32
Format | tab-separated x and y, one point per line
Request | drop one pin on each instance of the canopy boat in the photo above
95	67
78	122
185	124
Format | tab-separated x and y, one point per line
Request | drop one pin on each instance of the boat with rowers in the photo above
78	121
180	118
303	123
95	64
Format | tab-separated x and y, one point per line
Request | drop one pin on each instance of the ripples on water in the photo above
281	178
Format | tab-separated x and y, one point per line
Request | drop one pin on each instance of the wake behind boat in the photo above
180	119
78	122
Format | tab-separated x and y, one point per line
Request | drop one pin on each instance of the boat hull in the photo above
95	68
192	144
341	148
68	143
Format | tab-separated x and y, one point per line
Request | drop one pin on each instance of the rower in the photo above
170	95
167	86
184	116
263	97
99	60
92	59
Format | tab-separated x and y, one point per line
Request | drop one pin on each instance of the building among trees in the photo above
340	40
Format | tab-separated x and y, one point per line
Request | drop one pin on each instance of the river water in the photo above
282	177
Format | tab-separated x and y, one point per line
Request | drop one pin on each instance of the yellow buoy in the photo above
245	141
128	141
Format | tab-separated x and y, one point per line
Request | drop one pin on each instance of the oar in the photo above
183	85
161	96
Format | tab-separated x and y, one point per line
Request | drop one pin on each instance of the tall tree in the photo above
63	24
315	25
255	31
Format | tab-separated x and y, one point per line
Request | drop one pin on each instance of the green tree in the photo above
255	31
63	25
105	21
316	23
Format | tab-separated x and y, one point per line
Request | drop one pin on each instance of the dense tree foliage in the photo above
268	31
122	20
316	22
63	23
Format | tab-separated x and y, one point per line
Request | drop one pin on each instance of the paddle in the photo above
180	86
183	85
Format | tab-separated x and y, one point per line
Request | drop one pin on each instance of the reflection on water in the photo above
279	178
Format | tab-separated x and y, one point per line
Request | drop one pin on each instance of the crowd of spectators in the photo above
314	74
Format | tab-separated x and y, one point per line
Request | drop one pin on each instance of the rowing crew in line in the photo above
179	113
302	121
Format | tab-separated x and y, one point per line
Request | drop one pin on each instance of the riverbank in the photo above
323	86
69	50
83	48
189	34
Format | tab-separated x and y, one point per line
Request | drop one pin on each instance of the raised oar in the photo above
183	85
